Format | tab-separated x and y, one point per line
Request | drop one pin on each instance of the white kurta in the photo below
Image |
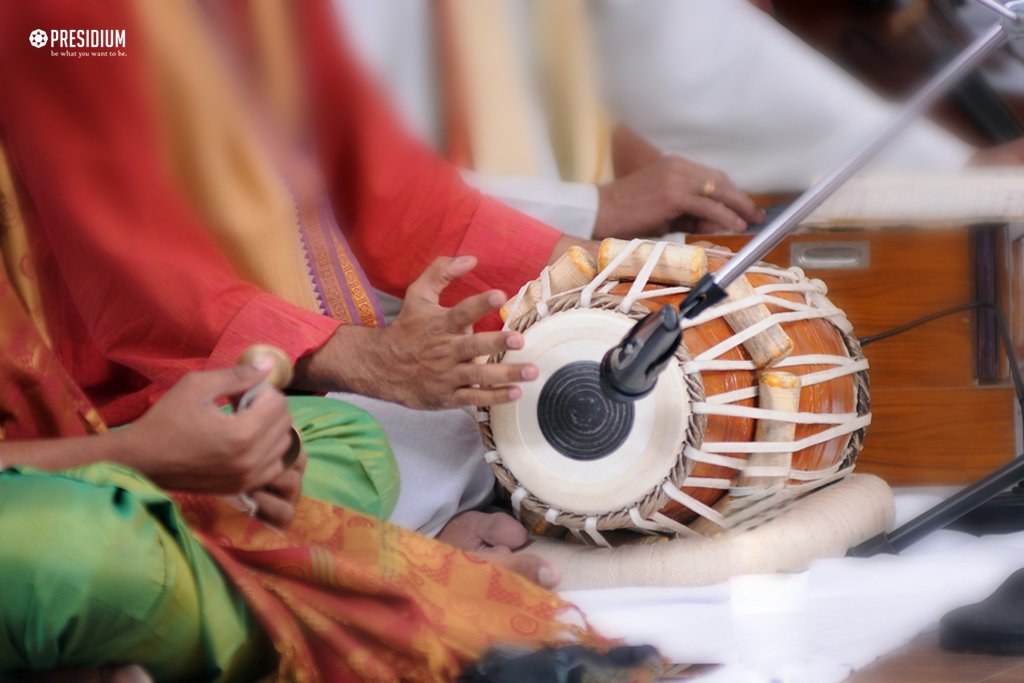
724	84
719	82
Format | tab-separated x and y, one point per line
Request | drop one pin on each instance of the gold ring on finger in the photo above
708	188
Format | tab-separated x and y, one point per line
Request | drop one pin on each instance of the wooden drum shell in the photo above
817	336
837	400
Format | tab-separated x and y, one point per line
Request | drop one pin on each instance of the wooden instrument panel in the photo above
943	413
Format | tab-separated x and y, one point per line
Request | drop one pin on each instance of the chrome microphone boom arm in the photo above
795	213
630	370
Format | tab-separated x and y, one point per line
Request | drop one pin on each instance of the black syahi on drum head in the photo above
577	418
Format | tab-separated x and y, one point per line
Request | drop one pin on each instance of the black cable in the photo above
1004	334
974	495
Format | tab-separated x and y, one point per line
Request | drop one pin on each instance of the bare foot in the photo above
494	536
476	531
534	567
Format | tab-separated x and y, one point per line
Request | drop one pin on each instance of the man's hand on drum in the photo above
425	358
672	194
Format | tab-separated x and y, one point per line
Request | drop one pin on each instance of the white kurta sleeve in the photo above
569	207
724	84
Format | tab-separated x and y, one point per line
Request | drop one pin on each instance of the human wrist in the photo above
609	216
349	361
604	206
129	446
567	242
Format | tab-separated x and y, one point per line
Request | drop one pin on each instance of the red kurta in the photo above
137	292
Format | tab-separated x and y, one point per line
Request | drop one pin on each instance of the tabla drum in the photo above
767	399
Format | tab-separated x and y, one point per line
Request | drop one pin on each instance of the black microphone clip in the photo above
630	370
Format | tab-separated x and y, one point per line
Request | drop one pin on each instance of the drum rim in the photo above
655	498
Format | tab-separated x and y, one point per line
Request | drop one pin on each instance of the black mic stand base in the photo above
1004	514
994	626
951	510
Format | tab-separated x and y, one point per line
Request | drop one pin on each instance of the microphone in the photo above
630	369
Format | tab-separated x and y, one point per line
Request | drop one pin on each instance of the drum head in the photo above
570	471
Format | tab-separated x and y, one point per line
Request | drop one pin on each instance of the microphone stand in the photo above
788	220
953	508
630	370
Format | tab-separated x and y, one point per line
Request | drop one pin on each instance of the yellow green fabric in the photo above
350	462
98	567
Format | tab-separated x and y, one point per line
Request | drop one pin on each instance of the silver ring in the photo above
249	504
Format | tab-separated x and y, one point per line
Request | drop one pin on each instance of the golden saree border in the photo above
14	246
352	598
340	282
37	397
341	285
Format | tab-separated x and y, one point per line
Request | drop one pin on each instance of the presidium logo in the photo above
80	42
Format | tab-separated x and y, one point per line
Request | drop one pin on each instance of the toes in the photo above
475	530
501	529
463	530
533	567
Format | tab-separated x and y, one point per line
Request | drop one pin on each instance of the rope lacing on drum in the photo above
646	515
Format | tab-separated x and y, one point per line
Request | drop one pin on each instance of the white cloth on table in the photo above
568	207
724	84
816	626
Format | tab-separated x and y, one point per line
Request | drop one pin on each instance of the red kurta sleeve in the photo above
403	205
137	291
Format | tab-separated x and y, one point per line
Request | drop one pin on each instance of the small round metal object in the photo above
281	375
248	504
577	419
294	448
1014	27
